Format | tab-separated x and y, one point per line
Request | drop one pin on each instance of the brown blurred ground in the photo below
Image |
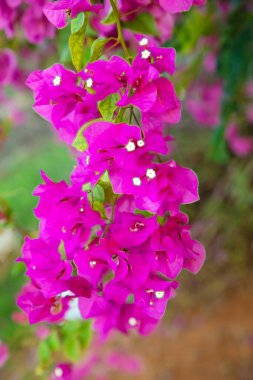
210	340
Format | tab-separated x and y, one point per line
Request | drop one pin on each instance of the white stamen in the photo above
34	267
137	181
150	173
130	146
87	161
140	143
160	294
81	209
89	82
132	322
143	42
64	229
86	70
57	80
172	164
58	372
145	54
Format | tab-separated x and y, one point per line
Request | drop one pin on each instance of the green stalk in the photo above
119	28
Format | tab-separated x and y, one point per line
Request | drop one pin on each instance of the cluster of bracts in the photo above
113	241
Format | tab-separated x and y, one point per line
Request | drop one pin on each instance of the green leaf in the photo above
99	207
62	39
80	142
120	116
71	348
85	334
108	106
143	23
76	45
53	341
44	352
98	46
109	19
77	23
98	193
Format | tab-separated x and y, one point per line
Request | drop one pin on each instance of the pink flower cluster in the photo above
117	265
69	100
27	15
61	11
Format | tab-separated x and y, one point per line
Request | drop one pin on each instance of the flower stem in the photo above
119	28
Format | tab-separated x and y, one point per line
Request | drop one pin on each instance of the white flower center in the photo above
143	42
145	54
57	80
89	82
140	143
93	263
150	173
137	181
160	294
132	322
58	372
130	146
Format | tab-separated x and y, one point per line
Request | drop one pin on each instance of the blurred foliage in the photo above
20	174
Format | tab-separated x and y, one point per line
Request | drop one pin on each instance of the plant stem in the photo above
119	28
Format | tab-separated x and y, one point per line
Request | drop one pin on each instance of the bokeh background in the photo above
207	332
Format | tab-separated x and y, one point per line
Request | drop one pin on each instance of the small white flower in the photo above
160	294
93	263
132	322
57	80
130	146
140	143
58	372
145	54
143	42
150	173
137	181
89	82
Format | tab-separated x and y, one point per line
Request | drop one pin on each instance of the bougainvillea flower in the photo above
131	230
44	261
4	354
36	25
242	146
153	296
177	6
175	249
159	187
204	103
163	59
61	98
94	263
8	64
65	214
58	12
38	308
